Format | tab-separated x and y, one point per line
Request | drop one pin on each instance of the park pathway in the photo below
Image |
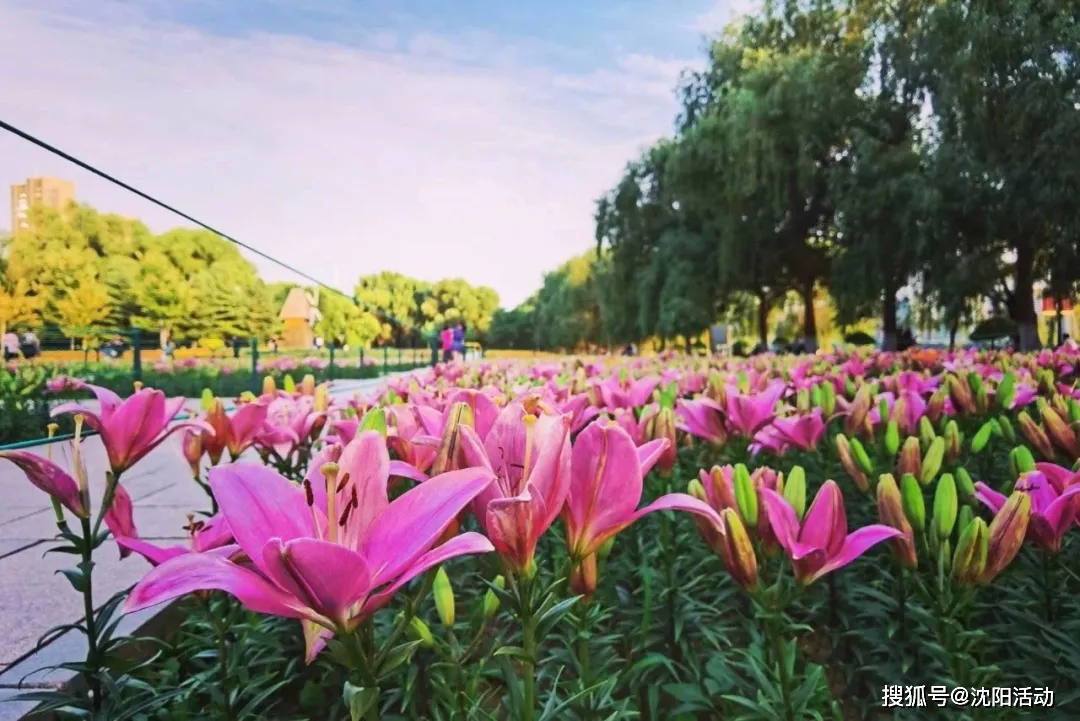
34	598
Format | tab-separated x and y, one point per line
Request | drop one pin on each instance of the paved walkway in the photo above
34	598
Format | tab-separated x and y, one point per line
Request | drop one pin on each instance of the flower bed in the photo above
845	537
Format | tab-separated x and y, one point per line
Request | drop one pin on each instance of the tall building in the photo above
50	192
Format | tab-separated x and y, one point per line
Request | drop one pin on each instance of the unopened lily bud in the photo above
738	551
859	410
247	397
802	401
828	398
451	455
960	393
373	420
1006	428
289	383
892	438
891	511
965	487
1006	391
815	396
307	385
851	467
420	631
322	398
953	441
795	491
1060	404
583	577
1059	431
913	502
605	549
982	437
206	401
936	405
444	597
1006	535
269	387
926	432
695	489
965	517
931	463
745	495
860	455
946	506
1074	410
1035	435
883	409
910	460
1021	461
978	391
491	601
192	446
969	560
722	490
664	427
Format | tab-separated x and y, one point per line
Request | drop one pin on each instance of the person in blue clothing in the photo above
459	340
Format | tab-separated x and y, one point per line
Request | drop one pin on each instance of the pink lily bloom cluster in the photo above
323	537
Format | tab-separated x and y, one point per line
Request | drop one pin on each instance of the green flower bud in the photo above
491	601
206	402
1006	391
931	463
945	506
1074	410
964	485
969	560
966	516
1007	431
745	495
443	592
795	490
892	438
605	549
374	420
861	456
828	398
420	631
914	504
289	383
926	432
1021	461
982	437
815	396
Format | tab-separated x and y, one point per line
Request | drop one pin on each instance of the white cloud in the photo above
403	152
723	12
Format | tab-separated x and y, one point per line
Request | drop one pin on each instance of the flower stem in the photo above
584	658
776	637
528	644
93	663
223	658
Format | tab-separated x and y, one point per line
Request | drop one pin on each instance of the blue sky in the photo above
438	139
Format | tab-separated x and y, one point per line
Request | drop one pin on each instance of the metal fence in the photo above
118	359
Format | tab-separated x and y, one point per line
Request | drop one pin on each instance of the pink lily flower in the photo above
210	536
1059	476
133	427
802	431
289	423
822	543
530	457
1053	511
619	392
329	558
401	436
51	478
748	414
607	472
702	417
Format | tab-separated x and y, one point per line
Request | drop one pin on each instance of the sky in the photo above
347	137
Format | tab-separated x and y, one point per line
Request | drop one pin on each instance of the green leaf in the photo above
358	700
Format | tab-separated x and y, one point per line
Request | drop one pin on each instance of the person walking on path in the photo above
11	346
459	341
447	339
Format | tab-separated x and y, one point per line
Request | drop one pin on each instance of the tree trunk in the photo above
763	319
810	339
1060	321
1027	323
954	328
888	319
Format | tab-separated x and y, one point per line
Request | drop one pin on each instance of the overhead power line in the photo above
116	181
